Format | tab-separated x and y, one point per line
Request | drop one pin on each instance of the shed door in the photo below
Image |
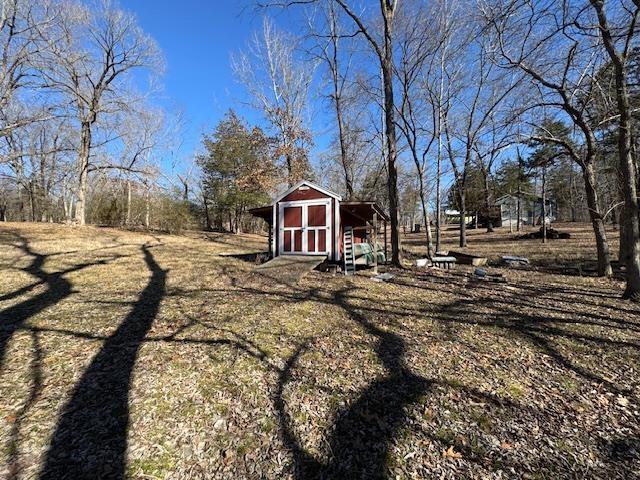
305	228
292	223
317	216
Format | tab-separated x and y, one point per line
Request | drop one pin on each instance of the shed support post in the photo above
385	242
375	243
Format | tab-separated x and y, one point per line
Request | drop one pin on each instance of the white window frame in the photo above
305	227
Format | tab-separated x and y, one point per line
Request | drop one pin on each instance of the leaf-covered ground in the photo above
154	356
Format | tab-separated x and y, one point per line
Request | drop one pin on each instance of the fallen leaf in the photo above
623	401
451	453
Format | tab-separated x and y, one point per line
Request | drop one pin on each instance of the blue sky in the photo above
197	39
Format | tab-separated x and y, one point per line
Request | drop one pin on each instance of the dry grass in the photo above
153	356
579	249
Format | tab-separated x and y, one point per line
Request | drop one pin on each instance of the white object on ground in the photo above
383	277
422	262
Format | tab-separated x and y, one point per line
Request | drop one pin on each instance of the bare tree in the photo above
337	60
89	67
440	89
617	36
546	41
418	44
140	135
36	161
381	38
498	136
478	96
278	83
25	31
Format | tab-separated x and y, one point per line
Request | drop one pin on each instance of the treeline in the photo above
80	139
111	201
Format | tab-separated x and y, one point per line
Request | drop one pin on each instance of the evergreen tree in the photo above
238	170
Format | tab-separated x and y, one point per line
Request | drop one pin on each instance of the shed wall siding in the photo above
306	194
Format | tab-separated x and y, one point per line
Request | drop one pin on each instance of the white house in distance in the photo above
530	209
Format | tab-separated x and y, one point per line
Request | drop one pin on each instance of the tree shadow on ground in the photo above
354	454
255	258
57	289
19	416
14	318
363	432
545	325
90	439
539	331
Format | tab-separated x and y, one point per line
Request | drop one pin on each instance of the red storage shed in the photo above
308	219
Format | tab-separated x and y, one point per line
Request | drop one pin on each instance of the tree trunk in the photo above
602	246
544	204
390	129
343	150
65	210
438	201
127	220
628	172
289	162
463	224
337	97
631	218
439	157
425	219
147	214
238	214
83	170
70	209
32	204
207	217
622	247
487	200
630	241
519	204
518	211
510	217
572	197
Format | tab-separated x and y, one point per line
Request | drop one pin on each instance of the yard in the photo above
154	356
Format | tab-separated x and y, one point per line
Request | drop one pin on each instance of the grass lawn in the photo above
155	356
